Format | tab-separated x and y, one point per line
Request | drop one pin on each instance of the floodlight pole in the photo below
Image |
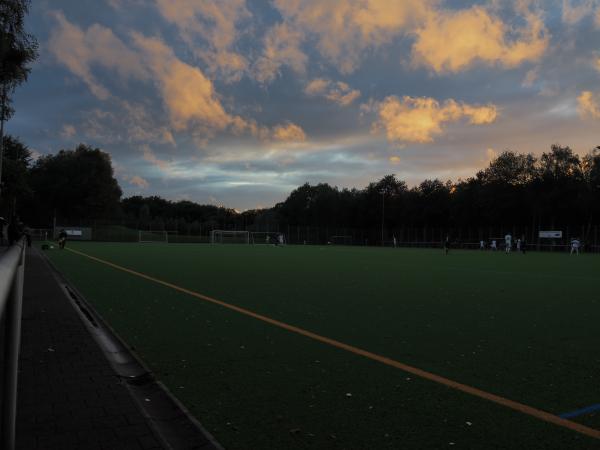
382	216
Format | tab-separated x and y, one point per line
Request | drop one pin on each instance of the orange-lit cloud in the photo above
419	119
345	29
288	132
394	159
281	47
138	181
588	105
451	41
149	156
597	18
337	92
189	96
79	50
215	22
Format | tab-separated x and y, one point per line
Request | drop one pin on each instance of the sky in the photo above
238	102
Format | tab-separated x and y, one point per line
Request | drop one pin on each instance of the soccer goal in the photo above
146	237
265	237
229	237
341	240
40	234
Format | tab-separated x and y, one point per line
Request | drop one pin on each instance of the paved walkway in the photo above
69	395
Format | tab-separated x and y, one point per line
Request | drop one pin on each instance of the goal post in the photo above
145	237
266	237
341	240
229	237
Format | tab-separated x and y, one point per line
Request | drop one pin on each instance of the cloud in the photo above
419	119
138	181
215	23
345	29
149	156
289	132
530	77
451	41
188	95
79	50
490	154
394	159
68	131
281	47
337	92
573	13
597	18
588	105
126	122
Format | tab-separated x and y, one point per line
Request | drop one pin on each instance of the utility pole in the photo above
2	116
382	216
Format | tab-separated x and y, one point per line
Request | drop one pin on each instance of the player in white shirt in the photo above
395	242
493	245
508	242
280	239
482	245
519	244
575	244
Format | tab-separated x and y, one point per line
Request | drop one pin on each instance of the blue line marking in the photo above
581	411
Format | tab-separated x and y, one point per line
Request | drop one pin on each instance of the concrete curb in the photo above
174	426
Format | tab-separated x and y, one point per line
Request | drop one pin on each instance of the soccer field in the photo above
521	327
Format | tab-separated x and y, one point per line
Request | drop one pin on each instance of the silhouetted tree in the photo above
17	50
76	184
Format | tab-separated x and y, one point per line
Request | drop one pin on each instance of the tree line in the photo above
557	189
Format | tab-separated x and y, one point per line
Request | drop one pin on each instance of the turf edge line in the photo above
525	409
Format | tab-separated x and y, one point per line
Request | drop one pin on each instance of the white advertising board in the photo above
551	234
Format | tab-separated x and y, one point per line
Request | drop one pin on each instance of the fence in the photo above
12	264
467	238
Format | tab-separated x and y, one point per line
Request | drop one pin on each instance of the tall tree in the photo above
78	184
17	160
18	49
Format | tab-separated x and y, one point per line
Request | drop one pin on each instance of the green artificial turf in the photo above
521	326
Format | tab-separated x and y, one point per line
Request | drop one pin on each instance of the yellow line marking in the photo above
525	409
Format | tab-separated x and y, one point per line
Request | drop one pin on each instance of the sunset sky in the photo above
237	102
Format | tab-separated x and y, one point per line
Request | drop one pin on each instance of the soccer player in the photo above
447	244
508	242
482	245
575	243
62	239
280	238
267	239
395	242
519	244
493	245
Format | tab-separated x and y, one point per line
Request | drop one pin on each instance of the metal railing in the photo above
12	265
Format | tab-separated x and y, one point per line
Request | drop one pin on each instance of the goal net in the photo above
266	237
152	236
341	240
229	237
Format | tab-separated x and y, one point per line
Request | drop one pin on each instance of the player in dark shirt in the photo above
62	239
